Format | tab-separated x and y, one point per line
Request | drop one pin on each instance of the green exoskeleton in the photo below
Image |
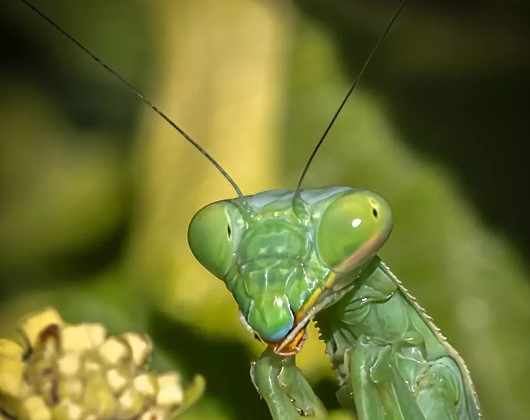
289	257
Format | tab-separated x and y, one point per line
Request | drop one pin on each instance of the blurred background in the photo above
96	191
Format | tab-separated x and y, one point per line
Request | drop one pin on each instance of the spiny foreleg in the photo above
285	389
387	383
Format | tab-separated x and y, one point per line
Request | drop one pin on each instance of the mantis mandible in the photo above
289	257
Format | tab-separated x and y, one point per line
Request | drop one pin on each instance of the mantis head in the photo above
283	256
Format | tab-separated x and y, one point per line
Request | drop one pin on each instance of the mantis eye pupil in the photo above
375	213
229	231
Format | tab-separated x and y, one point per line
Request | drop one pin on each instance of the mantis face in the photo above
277	252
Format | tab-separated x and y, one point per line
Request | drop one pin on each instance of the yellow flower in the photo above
74	372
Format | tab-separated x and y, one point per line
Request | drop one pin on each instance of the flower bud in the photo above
70	372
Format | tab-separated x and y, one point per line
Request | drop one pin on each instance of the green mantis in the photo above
288	257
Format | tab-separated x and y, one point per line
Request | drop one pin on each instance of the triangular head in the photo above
280	253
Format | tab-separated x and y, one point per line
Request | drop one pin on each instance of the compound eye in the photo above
210	237
353	228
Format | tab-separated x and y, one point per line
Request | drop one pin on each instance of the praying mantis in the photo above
291	256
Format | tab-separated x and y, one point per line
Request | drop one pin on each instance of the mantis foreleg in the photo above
284	388
382	390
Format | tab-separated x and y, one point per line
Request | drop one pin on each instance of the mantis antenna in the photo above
146	101
346	97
